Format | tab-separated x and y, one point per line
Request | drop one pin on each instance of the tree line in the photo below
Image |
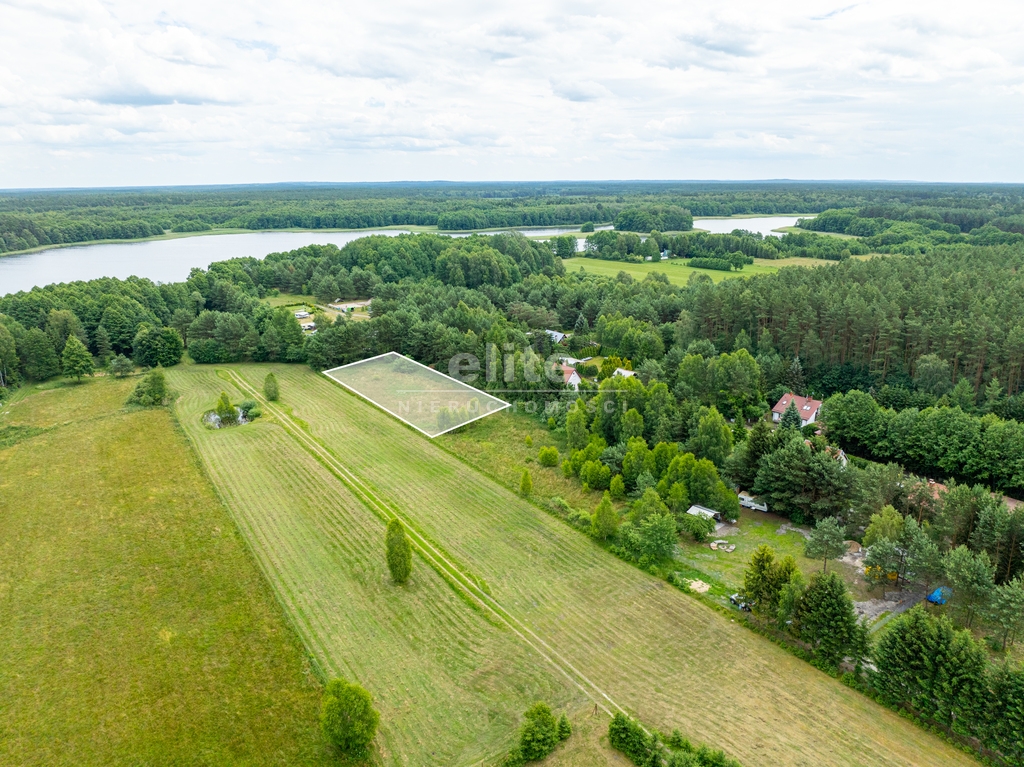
32	219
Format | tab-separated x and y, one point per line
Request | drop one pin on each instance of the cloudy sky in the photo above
122	92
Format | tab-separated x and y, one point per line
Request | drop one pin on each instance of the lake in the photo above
172	260
763	225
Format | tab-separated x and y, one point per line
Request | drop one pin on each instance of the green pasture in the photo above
136	627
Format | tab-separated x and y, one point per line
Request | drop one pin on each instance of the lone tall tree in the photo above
348	718
827	542
76	360
270	390
399	551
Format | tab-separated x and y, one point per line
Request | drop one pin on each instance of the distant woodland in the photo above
887	215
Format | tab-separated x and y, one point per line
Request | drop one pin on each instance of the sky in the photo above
128	93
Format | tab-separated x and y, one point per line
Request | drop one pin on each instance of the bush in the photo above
247	406
540	734
347	717
627	736
528	441
225	410
151	390
548	456
698	526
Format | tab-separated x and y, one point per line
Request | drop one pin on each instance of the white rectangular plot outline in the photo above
387	410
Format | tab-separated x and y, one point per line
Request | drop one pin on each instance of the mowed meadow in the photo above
448	678
449	684
134	626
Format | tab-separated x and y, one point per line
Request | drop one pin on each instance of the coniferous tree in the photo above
398	551
576	432
564	727
827	541
1006	611
605	520
103	349
970	576
790	417
827	620
76	360
121	366
270	388
526	484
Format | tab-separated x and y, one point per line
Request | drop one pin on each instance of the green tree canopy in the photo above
76	360
348	718
398	551
827	541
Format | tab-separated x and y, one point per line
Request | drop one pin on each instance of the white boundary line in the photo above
425	367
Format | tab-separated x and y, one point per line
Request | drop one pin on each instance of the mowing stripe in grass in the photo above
444	567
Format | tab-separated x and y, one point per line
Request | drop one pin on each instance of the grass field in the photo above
136	627
450	685
677	270
428	400
647	647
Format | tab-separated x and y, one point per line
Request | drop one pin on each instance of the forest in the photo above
37	218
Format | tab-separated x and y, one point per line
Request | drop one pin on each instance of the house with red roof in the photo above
807	408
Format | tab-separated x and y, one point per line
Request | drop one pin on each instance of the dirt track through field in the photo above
444	567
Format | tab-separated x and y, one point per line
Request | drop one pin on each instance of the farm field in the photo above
136	627
450	685
653	650
677	270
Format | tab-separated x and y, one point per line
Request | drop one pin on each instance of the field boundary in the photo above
450	572
391	413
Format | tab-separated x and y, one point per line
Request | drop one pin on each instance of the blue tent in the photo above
940	595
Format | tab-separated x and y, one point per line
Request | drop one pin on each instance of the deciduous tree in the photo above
76	360
348	718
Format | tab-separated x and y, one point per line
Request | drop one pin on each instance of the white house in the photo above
807	408
571	377
570	361
624	373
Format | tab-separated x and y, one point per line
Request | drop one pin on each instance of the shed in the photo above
704	511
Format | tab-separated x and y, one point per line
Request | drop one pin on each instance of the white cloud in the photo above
113	92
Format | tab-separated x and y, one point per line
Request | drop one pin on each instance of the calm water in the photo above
172	260
762	225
